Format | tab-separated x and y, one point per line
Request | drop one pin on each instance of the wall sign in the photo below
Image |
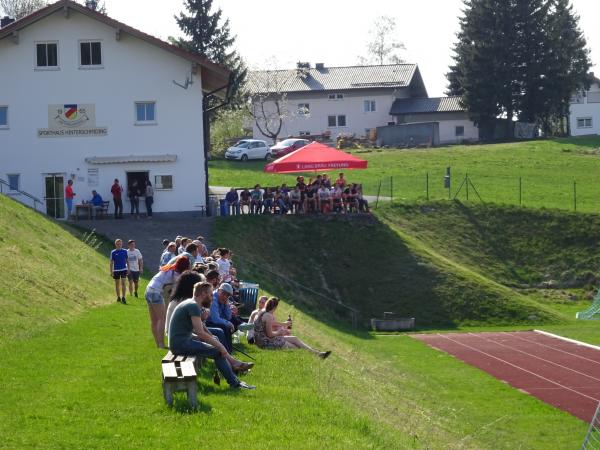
72	120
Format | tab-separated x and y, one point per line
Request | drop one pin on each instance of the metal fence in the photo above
533	192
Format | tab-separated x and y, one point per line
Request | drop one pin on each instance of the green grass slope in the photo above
514	246
373	267
49	273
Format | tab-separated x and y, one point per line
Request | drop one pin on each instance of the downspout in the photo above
206	111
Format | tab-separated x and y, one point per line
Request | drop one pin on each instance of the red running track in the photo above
561	373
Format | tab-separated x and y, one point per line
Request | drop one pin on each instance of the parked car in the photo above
288	146
249	149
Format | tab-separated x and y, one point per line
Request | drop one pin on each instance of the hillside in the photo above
372	267
514	246
50	273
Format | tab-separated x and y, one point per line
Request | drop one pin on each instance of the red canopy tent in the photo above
315	157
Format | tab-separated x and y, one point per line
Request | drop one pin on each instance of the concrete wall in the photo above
411	134
133	70
448	123
589	108
352	106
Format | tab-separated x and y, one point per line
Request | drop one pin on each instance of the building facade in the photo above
330	101
584	118
89	99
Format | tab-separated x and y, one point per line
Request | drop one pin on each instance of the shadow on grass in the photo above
182	406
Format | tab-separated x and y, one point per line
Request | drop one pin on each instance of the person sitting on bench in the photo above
221	315
186	322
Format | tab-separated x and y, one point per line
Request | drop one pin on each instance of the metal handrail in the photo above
26	194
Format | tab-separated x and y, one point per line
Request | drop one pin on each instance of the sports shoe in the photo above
118	300
217	378
124	301
244	385
136	296
324	355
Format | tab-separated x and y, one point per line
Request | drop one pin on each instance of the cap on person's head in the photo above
226	287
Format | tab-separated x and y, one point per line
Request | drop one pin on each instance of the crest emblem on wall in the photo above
71	115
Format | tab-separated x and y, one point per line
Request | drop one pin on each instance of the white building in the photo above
455	126
87	98
324	101
585	111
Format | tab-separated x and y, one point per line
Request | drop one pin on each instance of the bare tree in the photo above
267	99
383	47
18	9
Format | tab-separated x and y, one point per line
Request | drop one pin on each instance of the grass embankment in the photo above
94	381
373	268
48	275
547	169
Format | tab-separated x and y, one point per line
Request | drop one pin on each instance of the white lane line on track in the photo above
520	368
572	341
554	348
536	357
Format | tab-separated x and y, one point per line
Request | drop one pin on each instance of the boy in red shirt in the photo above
69	194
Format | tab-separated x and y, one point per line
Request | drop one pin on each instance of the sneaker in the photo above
217	378
123	301
118	300
136	296
244	385
324	355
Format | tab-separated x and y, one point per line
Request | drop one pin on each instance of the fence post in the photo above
520	191
427	185
378	193
575	195
467	183
391	189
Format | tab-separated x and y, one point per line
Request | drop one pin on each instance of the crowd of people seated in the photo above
320	196
193	300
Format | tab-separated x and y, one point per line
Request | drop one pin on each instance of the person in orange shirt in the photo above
69	194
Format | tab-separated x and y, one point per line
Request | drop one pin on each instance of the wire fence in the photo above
534	192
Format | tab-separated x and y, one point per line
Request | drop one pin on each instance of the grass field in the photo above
80	371
547	169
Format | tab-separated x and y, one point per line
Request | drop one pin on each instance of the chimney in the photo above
319	66
5	21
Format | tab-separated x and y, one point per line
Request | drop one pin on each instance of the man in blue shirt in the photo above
119	266
97	203
232	202
220	313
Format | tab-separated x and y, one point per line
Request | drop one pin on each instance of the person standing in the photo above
136	266
117	191
149	198
119	266
69	194
134	198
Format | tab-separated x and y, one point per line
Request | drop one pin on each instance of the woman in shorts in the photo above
270	334
168	274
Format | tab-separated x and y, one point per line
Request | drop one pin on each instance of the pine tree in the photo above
210	36
518	58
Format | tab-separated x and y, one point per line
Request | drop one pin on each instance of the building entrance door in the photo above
55	196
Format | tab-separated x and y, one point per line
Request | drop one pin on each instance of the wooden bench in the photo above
179	373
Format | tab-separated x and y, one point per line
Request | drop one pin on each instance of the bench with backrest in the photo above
179	373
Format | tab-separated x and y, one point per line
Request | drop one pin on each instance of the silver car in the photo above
249	149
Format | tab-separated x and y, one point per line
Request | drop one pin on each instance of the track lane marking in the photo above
519	368
555	348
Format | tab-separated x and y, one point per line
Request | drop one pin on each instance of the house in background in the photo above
584	118
90	99
453	120
329	101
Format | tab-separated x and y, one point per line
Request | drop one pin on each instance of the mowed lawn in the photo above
547	170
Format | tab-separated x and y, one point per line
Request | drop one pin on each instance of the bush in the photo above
229	125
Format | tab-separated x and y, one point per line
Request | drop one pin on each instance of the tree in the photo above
210	36
95	6
18	9
518	59
383	48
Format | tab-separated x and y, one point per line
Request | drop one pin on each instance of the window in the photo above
304	133
459	131
304	109
145	113
163	182
3	117
336	121
584	122
46	55
90	54
13	181
370	106
336	96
